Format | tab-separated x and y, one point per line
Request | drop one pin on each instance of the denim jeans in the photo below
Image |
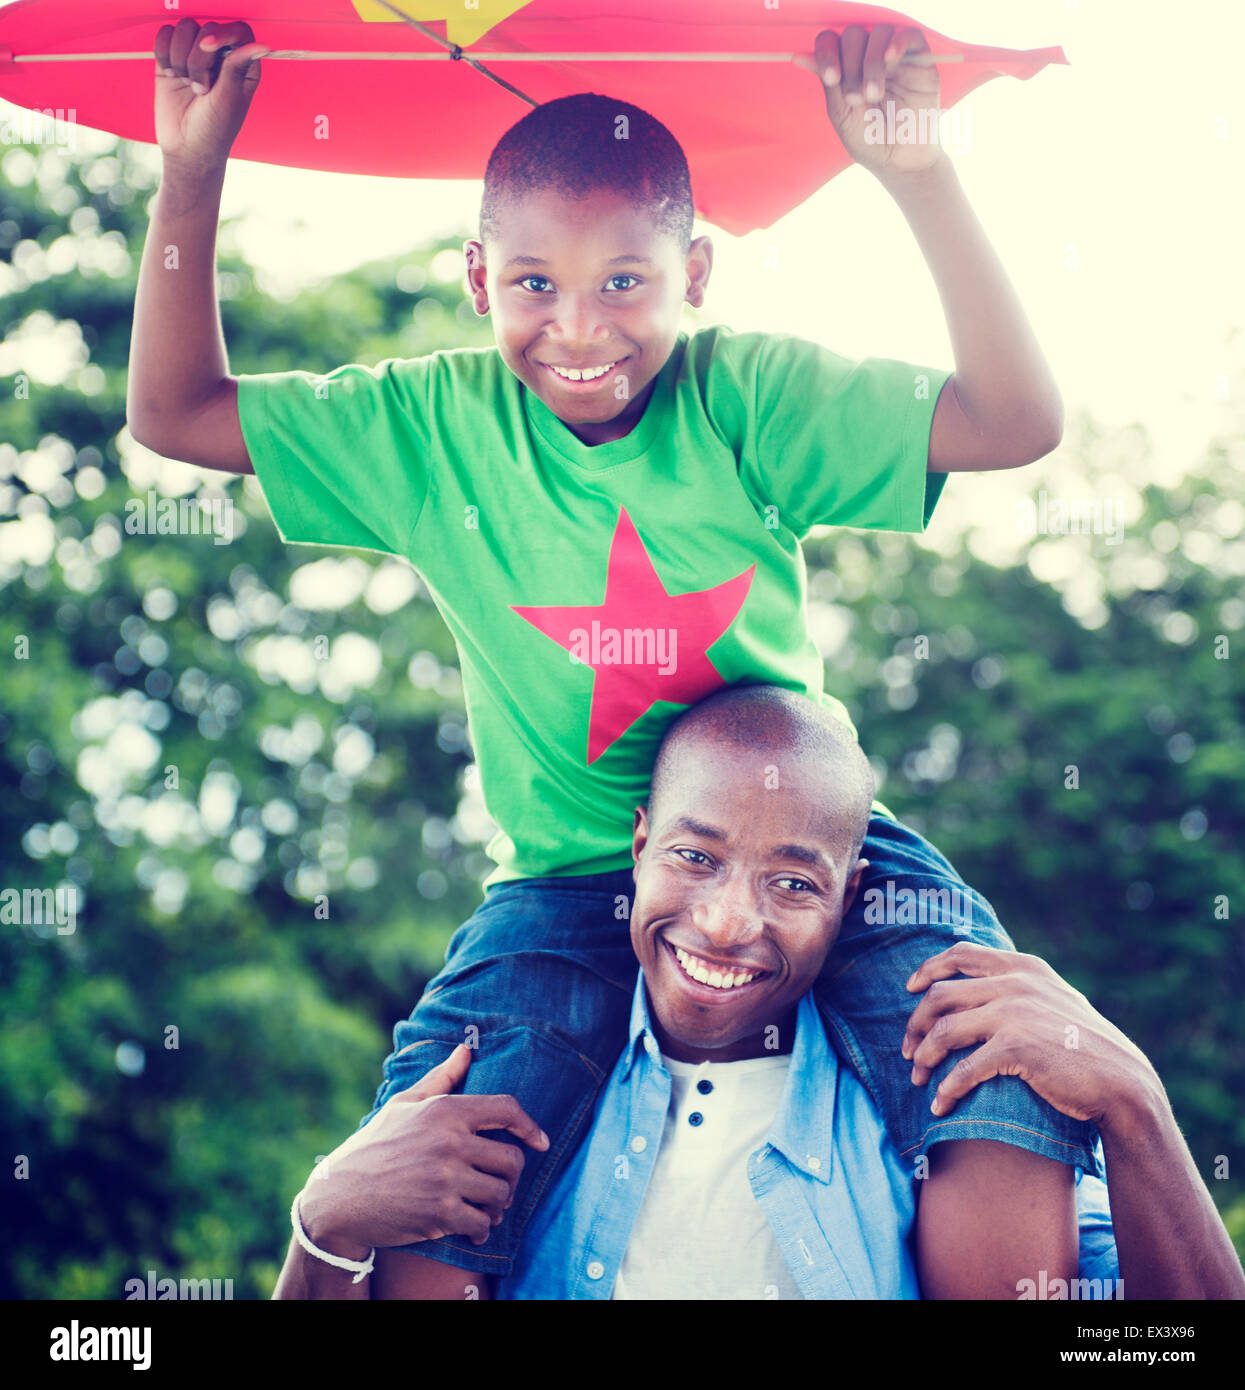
539	982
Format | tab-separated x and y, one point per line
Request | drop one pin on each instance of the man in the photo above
731	1155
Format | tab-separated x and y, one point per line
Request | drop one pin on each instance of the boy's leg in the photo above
539	982
911	905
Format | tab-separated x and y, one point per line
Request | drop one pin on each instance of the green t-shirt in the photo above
595	592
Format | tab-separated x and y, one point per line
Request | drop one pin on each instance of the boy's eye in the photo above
540	284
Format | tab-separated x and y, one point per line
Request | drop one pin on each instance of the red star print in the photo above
643	643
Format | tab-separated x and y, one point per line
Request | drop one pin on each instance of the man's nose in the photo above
729	913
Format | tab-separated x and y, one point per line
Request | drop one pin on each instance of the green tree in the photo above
267	809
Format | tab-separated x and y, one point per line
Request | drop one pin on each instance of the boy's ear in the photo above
477	276
699	267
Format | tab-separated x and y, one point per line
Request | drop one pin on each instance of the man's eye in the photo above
534	283
614	278
802	884
699	859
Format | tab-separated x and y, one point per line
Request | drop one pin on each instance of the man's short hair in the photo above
584	144
768	719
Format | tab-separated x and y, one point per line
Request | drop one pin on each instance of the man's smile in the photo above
706	979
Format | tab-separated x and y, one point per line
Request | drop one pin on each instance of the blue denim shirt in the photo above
839	1199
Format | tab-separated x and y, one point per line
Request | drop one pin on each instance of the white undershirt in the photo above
700	1233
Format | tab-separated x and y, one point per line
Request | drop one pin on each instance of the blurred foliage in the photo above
252	763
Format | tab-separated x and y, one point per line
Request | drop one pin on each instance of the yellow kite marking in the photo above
465	22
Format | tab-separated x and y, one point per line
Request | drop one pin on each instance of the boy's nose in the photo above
579	320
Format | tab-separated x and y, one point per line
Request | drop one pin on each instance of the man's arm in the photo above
305	1276
396	1274
1001	408
418	1171
1169	1237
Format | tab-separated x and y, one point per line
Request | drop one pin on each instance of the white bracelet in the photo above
364	1267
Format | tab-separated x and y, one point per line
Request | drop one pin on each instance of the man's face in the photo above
584	285
739	881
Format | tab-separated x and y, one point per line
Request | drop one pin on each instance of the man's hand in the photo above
420	1170
1033	1025
869	87
1170	1238
205	79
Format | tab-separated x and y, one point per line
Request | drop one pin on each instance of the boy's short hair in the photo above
586	143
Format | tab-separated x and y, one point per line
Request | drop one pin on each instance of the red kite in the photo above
425	88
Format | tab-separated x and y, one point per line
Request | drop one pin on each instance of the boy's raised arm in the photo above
180	399
1001	407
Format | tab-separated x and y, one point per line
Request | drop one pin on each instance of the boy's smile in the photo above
585	295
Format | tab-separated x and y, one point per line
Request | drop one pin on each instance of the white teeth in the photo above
698	970
573	374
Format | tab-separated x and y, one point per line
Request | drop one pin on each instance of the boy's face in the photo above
586	284
750	882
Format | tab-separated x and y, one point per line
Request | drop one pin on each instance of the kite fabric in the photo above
425	88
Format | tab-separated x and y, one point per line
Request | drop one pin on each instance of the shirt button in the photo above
704	1087
596	1270
814	1162
695	1118
639	1144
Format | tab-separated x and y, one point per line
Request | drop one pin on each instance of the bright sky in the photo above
1112	190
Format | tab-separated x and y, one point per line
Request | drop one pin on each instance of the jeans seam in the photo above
997	1124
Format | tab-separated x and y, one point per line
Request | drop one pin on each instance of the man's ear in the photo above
477	277
639	836
853	885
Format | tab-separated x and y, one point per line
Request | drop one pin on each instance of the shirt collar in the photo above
803	1128
640	1035
803	1125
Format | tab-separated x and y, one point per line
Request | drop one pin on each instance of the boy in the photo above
608	514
